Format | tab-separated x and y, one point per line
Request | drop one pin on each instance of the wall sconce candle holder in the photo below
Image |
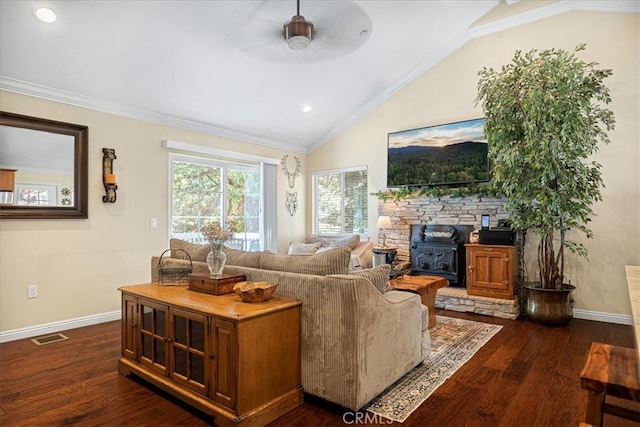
108	177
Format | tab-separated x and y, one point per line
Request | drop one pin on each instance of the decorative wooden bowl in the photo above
255	291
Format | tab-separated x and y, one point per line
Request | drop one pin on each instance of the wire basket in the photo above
175	276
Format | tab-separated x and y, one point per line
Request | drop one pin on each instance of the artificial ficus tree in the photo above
545	116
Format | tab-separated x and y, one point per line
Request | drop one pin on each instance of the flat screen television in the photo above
452	154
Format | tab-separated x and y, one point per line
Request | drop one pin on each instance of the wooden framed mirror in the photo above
47	164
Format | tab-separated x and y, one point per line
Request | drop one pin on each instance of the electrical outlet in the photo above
32	291
153	223
568	279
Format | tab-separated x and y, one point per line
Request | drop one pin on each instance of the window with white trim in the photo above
205	190
340	201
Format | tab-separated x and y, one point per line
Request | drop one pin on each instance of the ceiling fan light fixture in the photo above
298	32
298	42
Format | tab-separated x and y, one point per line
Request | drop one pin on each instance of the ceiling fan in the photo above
298	32
340	27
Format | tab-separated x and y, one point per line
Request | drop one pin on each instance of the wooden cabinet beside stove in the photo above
237	361
492	270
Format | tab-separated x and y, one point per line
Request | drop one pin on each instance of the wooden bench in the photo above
610	371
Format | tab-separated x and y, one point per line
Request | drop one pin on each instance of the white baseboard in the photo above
63	325
49	328
599	316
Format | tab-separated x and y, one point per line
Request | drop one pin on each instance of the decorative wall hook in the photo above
108	177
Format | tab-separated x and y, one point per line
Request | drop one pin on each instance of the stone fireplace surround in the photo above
447	210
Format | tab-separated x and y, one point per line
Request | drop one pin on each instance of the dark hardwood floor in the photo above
526	375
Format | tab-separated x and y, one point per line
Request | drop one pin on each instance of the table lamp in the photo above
384	222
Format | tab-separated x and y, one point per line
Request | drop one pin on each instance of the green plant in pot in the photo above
544	118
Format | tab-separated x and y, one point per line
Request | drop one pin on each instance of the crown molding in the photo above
552	9
77	100
526	17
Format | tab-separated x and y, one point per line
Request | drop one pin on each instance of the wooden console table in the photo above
237	361
426	286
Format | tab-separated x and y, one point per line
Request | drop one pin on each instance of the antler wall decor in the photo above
291	176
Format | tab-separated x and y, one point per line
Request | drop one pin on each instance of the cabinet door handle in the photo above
167	339
505	282
470	268
506	259
211	355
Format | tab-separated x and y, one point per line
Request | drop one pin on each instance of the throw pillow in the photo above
324	243
296	248
331	262
195	251
351	241
379	276
242	258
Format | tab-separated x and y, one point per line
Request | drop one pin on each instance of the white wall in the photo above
79	264
447	92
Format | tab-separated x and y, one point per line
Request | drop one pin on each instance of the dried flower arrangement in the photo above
216	235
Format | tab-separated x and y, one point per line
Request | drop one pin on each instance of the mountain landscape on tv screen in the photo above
463	162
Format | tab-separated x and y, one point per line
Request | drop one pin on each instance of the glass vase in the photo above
216	259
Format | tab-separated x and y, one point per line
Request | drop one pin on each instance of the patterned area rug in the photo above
453	343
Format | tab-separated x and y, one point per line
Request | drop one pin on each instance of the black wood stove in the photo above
438	250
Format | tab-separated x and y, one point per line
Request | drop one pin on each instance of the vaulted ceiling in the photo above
223	67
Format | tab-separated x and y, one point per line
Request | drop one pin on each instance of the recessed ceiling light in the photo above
45	14
307	108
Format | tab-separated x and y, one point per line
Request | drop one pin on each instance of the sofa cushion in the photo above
297	248
335	261
379	276
195	251
242	258
351	241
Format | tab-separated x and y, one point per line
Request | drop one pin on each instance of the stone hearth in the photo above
448	210
456	299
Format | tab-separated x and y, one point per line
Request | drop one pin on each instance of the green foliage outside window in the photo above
340	202
197	194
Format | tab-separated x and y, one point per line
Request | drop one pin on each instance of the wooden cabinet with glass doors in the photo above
237	361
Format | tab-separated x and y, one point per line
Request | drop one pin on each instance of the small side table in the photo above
384	255
425	286
610	370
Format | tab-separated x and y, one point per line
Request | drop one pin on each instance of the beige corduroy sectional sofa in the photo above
357	339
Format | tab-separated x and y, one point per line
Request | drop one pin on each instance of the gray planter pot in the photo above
549	306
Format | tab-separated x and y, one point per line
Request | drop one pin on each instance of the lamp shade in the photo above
384	222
